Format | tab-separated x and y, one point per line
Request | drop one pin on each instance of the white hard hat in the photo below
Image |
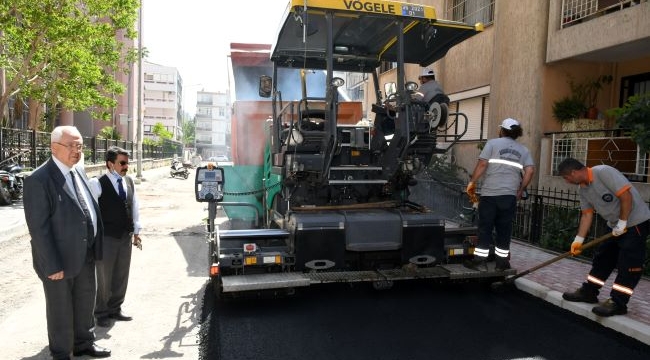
427	72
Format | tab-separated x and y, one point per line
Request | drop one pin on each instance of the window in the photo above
222	112
634	85
471	11
477	110
386	65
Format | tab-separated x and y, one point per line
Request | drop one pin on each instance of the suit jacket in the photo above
55	221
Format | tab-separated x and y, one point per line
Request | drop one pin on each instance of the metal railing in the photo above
33	147
548	218
577	11
471	11
596	147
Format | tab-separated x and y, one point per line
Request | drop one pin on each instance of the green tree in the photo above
161	132
110	132
188	132
635	116
66	52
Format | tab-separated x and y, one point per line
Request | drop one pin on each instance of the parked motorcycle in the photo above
177	169
11	181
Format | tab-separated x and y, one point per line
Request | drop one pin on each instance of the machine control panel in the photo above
209	184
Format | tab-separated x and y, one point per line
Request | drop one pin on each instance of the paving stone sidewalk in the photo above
567	275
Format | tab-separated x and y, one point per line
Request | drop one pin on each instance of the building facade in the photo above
524	62
212	121
162	96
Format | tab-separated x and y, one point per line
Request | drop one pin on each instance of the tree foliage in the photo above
161	131
188	132
635	116
110	132
66	52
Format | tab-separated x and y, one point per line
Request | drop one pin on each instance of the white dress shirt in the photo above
96	188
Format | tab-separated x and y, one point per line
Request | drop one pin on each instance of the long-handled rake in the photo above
500	285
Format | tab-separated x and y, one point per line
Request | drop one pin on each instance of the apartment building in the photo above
212	119
162	96
522	64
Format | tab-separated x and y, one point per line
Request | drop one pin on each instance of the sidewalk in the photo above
568	274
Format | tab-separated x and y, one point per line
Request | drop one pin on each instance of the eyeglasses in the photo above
123	163
77	147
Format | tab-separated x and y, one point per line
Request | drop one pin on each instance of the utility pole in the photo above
139	123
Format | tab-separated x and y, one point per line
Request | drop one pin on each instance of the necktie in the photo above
84	207
120	189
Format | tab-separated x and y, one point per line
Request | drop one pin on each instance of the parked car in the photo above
219	158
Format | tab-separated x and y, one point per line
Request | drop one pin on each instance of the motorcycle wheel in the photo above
5	195
185	175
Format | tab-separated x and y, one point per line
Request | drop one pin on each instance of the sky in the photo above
194	36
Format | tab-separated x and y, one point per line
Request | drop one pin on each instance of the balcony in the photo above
577	11
595	147
598	30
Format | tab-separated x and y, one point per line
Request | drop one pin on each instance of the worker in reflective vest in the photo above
507	168
605	190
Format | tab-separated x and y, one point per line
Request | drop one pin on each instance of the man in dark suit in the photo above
119	207
66	237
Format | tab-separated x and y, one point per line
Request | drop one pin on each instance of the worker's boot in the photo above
502	264
609	308
477	263
585	293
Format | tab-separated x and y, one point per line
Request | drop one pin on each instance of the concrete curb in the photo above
622	324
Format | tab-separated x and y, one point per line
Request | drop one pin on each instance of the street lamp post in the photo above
139	129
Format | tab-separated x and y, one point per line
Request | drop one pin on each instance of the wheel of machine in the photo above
185	175
5	196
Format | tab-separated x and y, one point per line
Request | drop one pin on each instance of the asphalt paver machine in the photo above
335	204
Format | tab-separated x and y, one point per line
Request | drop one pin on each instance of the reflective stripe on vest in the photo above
507	162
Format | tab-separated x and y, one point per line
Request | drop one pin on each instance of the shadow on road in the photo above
42	355
187	325
192	243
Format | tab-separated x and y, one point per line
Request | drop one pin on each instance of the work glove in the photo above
471	192
576	245
620	228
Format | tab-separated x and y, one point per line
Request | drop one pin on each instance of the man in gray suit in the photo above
66	237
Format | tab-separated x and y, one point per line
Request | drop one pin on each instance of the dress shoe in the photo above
609	308
120	316
94	351
103	321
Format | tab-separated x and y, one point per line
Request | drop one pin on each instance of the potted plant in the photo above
587	92
567	109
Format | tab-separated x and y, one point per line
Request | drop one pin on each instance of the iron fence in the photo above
30	148
548	217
